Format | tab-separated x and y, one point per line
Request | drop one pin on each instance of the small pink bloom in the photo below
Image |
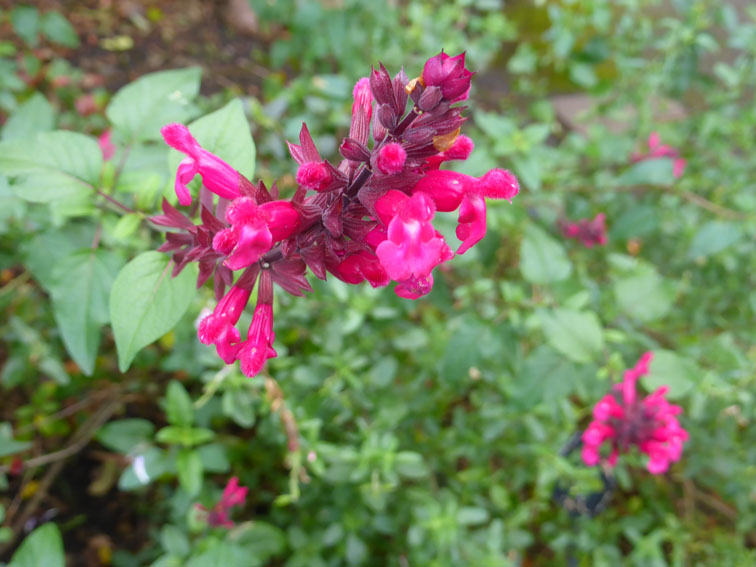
258	347
391	158
589	232
363	98
314	175
233	495
449	74
85	104
657	150
105	141
362	266
219	327
413	247
450	190
622	420
218	176
254	229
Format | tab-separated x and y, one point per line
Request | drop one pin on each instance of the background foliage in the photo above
388	432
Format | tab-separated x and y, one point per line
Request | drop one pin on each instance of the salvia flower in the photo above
217	175
621	420
657	150
368	218
219	515
589	232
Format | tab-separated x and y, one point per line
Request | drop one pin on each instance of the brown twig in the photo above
78	441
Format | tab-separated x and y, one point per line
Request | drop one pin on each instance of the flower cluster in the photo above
233	495
622	419
369	218
589	232
657	150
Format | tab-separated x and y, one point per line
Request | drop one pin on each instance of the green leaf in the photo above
543	259
11	446
44	546
261	540
141	108
238	405
356	551
576	335
410	465
146	302
648	172
54	166
57	29
713	237
472	516
186	436
645	296
25	20
35	115
668	368
189	467
64	241
178	405
11	207
80	289
175	541
214	458
124	435
225	133
224	554
545	377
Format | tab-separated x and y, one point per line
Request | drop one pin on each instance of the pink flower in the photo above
233	495
449	74
391	158
362	111
219	328
254	229
450	190
589	232
218	176
314	175
658	150
258	348
412	247
622	420
105	141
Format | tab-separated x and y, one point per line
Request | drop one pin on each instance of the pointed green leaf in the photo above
146	302
35	115
53	166
543	259
577	335
80	289
43	546
141	108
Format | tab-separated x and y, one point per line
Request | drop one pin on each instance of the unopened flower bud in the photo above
314	175
391	158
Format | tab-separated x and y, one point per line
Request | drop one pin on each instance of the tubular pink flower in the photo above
589	232
233	495
450	190
362	266
219	328
254	229
258	347
622	420
391	158
413	247
363	98
449	74
218	176
105	141
414	287
314	175
657	150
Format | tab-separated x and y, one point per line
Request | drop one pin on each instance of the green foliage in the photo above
146	302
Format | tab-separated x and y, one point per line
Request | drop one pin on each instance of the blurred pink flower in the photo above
658	150
589	232
233	495
622	420
106	145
